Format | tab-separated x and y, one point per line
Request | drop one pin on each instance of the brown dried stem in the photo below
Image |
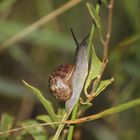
104	113
105	51
109	29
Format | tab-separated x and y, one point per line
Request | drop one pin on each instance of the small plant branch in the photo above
97	82
109	29
19	36
60	127
93	28
105	52
102	114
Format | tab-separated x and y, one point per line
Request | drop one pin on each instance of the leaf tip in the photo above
112	79
24	82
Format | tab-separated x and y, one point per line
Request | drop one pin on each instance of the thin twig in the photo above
105	52
104	113
109	29
19	36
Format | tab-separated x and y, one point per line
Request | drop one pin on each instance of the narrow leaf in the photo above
94	12
47	104
94	15
103	85
44	118
95	65
6	123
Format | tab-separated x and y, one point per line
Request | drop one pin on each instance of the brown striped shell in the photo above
60	82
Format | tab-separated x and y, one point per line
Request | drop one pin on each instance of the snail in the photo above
68	79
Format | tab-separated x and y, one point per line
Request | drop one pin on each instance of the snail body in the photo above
60	82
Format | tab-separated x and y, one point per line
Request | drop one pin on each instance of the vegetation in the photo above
34	34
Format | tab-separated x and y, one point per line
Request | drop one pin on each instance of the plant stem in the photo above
105	51
109	29
61	126
71	128
107	112
92	31
34	26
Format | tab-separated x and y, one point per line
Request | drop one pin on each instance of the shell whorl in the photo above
60	82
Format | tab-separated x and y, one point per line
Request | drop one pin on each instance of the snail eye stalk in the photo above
74	37
83	42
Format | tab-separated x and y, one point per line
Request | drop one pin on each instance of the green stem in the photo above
73	116
92	33
61	126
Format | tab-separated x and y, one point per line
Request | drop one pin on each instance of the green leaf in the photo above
6	123
102	86
38	133
94	12
94	69
94	15
45	118
95	65
47	104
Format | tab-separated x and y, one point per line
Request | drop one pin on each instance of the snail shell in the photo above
60	84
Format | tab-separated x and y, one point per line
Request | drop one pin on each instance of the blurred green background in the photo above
33	59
